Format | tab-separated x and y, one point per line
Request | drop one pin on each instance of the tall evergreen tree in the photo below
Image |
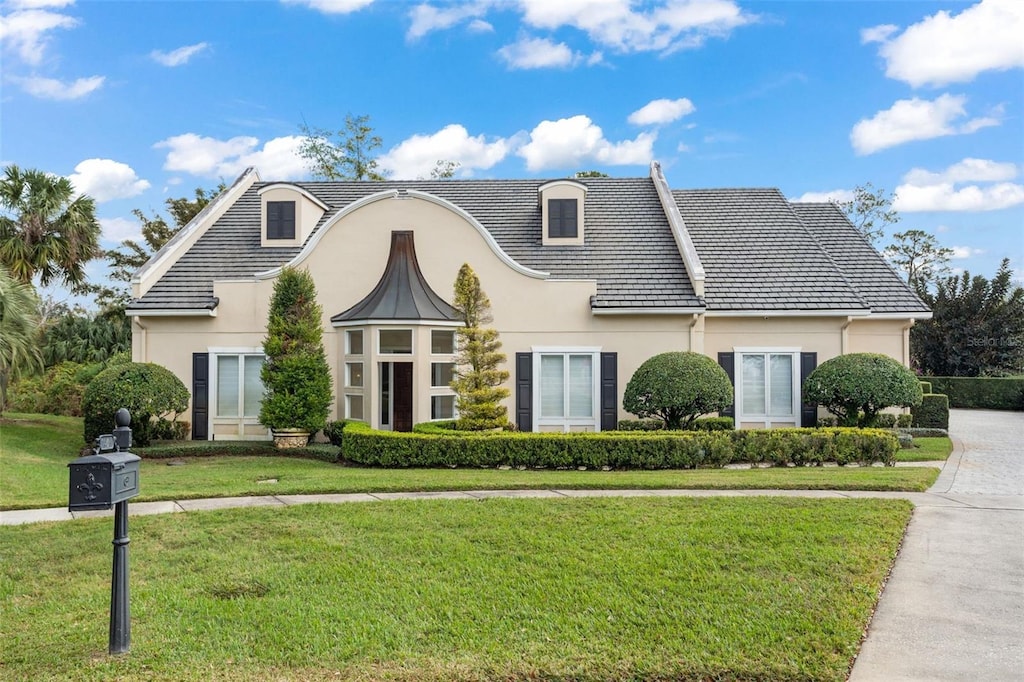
478	380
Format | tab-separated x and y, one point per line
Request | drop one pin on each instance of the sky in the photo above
137	102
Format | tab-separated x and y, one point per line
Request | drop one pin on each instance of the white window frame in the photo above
240	421
348	342
568	423
412	343
438	358
348	406
766	419
455	343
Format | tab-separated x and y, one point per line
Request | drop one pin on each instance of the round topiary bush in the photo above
677	388
148	391
856	386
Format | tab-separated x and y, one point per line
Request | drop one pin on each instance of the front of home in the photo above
587	279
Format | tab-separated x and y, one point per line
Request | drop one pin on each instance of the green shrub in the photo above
148	391
989	393
920	432
855	387
165	430
702	424
904	420
58	391
933	412
884	420
926	387
333	432
234	448
618	450
677	388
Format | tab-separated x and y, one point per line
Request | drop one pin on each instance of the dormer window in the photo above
562	203
280	220
562	218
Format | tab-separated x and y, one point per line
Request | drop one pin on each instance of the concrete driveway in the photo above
953	608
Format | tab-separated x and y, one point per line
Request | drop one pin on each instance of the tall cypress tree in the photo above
478	380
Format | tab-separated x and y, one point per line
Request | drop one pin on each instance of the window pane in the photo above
227	386
396	341
581	386
441	374
355	341
442	407
552	386
753	384
252	386
780	393
442	341
354	407
354	374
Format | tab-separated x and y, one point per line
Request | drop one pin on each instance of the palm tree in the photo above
45	229
19	323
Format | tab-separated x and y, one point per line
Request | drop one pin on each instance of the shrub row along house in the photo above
587	279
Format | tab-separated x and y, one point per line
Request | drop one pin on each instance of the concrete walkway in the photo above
953	608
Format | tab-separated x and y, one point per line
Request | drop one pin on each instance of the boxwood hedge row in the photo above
619	450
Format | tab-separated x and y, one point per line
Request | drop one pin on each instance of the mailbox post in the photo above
109	478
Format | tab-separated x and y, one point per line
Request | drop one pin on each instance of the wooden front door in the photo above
402	396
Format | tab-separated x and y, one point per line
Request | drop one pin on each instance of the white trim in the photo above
295	188
694	268
647	311
565	349
400	323
346	345
565	421
172	312
455	344
788	313
241	421
562	182
766	419
402	194
412	343
901	316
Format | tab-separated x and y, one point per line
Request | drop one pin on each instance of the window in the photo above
354	374
354	341
442	407
280	220
239	387
442	341
354	407
566	383
441	374
398	341
562	218
766	386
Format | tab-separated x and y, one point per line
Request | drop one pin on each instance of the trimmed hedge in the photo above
926	387
924	433
933	412
701	424
619	450
989	393
234	448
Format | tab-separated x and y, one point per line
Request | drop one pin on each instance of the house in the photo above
587	278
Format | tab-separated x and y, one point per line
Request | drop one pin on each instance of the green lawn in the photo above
926	450
35	449
584	589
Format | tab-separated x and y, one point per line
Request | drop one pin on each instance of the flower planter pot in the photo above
285	439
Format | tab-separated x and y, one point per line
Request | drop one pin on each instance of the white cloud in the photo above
416	156
538	53
836	195
877	34
106	179
179	56
915	119
923	190
25	31
961	252
116	230
662	111
480	26
945	48
332	6
570	142
669	26
426	18
210	157
51	88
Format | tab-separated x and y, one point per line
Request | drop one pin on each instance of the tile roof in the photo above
629	248
883	289
759	255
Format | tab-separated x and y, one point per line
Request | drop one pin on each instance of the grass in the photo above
610	589
35	449
926	450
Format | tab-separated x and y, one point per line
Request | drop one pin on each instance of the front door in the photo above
396	396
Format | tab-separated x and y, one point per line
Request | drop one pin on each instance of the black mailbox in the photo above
102	480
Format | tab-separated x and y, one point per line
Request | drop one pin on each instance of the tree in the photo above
976	329
590	174
444	170
870	211
297	391
147	390
348	157
857	386
918	255
19	322
677	387
478	381
46	230
85	338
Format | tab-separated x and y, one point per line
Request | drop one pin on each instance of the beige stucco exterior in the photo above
531	311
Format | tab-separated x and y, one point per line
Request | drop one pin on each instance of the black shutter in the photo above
524	391
728	363
808	411
200	396
609	391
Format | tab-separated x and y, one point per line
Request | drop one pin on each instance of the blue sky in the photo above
140	101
